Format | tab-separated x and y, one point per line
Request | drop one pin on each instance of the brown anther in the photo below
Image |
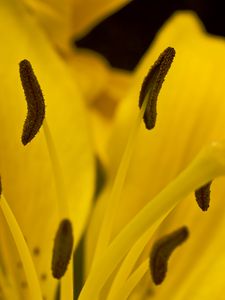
161	251
152	85
202	196
62	249
35	102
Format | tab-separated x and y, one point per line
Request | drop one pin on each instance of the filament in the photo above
63	207
28	265
113	201
208	164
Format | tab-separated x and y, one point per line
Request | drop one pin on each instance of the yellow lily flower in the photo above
28	173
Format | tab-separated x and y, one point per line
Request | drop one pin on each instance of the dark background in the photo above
123	37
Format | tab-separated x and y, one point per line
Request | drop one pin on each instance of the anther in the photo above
202	196
62	249
35	102
161	252
152	85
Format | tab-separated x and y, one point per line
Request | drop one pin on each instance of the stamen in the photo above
152	85
132	282
202	196
66	287
161	252
129	262
34	120
62	250
159	72
208	164
25	256
35	102
62	199
114	197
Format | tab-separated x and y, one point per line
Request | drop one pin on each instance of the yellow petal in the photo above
91	72
27	177
89	13
54	17
102	87
63	20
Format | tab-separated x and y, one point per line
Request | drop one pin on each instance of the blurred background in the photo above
124	37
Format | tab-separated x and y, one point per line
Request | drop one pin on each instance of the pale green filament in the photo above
209	164
66	291
63	208
113	201
28	265
129	263
132	281
66	287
